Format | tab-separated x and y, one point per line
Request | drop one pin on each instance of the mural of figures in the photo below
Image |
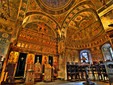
96	54
38	66
30	61
45	60
13	57
4	42
55	60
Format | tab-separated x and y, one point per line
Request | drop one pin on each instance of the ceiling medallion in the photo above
55	6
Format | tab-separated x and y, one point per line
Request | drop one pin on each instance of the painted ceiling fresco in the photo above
84	27
69	18
78	22
14	6
4	42
55	6
40	28
9	9
8	16
55	3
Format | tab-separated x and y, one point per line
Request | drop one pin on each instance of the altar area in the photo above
44	71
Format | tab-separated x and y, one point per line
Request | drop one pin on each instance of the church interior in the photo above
51	41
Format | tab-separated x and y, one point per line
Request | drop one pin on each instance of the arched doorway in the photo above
107	52
87	55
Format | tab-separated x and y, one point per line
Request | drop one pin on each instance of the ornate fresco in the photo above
84	28
8	14
96	54
13	57
6	28
45	60
72	55
55	3
9	10
30	58
53	27
74	20
42	37
41	17
29	62
55	6
4	43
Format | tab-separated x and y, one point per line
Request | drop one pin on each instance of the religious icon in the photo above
30	59
45	60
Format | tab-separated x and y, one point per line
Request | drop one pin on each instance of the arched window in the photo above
85	56
107	52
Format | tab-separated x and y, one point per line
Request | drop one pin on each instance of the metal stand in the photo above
88	82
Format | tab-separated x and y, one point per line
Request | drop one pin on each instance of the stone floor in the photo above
59	82
62	82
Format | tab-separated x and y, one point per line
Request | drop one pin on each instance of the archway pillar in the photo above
62	74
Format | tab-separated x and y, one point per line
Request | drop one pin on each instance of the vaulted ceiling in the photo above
76	20
10	9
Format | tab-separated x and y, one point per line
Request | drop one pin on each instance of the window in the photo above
87	56
111	52
84	55
107	52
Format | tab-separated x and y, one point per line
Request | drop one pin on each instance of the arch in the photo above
37	16
38	21
97	35
85	10
41	13
84	6
75	7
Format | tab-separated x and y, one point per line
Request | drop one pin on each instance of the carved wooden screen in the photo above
37	38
